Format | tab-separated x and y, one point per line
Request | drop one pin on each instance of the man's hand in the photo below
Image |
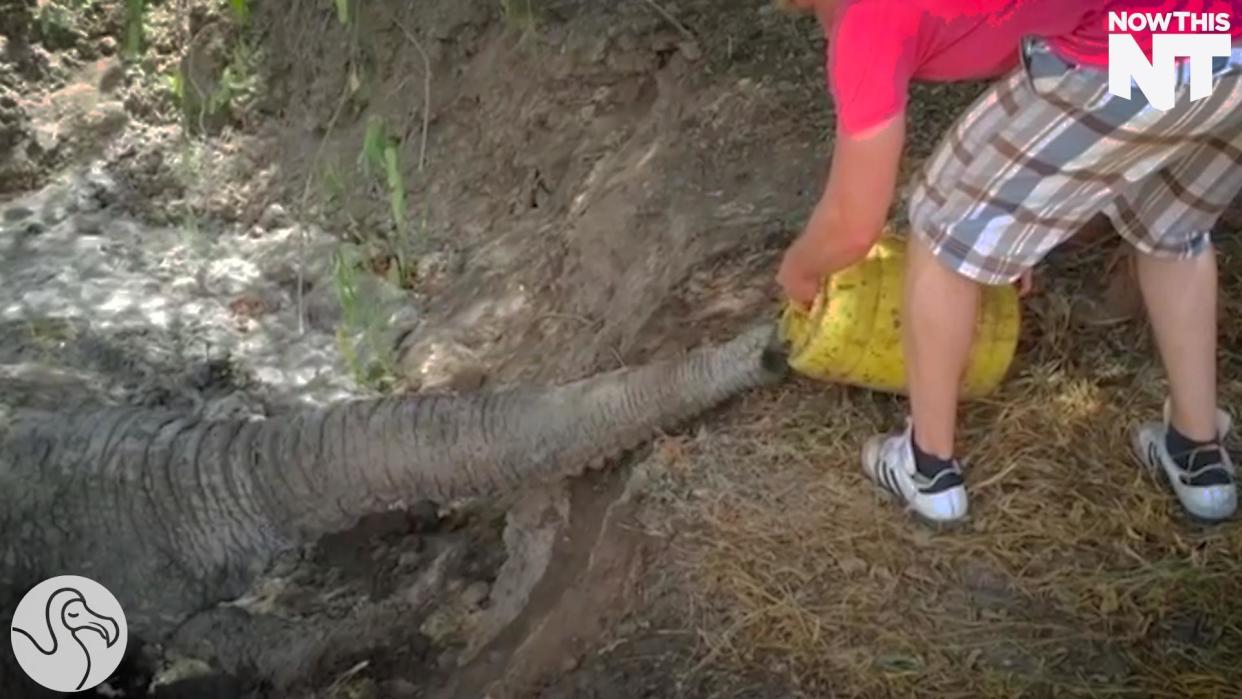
800	281
850	215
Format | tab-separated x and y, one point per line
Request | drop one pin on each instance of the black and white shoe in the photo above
889	461
1208	487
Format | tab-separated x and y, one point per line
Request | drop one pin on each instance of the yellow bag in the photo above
855	338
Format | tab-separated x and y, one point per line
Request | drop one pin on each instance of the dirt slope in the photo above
601	176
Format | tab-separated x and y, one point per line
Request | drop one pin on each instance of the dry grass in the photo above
1076	573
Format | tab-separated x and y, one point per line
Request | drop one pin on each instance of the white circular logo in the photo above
69	633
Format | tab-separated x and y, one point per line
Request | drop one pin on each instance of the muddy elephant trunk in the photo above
175	513
318	471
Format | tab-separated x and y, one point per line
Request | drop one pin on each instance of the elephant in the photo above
174	513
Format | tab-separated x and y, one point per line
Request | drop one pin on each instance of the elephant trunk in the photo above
323	469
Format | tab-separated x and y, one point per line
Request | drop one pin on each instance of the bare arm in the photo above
850	215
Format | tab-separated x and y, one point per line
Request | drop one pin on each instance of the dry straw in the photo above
1076	574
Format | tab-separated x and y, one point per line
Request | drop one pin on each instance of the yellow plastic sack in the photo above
852	333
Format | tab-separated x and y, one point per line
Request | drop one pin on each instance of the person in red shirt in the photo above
1042	151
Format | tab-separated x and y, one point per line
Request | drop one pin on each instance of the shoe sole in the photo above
1157	472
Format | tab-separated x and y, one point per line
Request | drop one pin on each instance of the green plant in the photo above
364	338
176	85
380	153
239	79
238	82
342	11
518	12
135	11
241	9
381	158
333	186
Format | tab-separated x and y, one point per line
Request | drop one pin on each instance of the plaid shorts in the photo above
1047	148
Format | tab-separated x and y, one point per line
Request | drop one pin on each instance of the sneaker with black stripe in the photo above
1207	485
936	497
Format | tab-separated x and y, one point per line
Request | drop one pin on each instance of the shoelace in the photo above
1216	460
947	476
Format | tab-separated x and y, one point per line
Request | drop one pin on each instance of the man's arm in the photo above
851	214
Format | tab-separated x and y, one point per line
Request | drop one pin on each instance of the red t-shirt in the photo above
877	47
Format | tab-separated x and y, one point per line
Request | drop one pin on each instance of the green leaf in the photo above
134	11
899	663
396	185
241	8
177	84
373	143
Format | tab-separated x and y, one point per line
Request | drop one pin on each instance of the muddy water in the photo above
162	314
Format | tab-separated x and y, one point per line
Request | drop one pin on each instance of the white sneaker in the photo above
1207	492
889	461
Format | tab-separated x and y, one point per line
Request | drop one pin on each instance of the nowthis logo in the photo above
1195	36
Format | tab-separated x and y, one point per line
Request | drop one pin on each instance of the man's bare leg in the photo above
938	323
1180	296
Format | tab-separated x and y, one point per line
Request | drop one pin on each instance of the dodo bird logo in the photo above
69	633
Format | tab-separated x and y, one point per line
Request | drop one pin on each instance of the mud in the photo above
161	314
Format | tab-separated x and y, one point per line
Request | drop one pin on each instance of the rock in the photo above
279	263
16	213
106	120
443	366
274	216
691	50
230	276
33	228
467	379
107	46
432	265
113	76
475	593
87	224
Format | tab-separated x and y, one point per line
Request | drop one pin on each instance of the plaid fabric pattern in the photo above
1045	149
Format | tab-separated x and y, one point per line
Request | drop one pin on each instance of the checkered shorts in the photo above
1047	148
